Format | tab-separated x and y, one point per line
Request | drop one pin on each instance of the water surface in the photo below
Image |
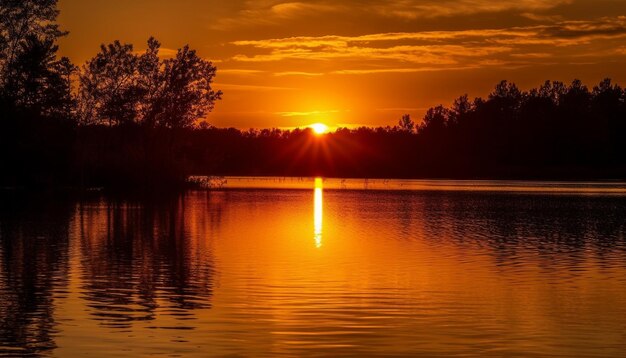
317	268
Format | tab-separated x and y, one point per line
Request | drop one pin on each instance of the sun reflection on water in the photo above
317	212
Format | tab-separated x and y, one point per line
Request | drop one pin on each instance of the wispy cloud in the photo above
403	52
532	55
306	114
291	9
257	13
275	12
402	109
340	49
164	52
241	72
414	9
398	70
541	17
240	87
299	73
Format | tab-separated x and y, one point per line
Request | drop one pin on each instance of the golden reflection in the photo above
317	212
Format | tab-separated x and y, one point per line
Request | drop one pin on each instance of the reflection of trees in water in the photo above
33	268
570	227
140	260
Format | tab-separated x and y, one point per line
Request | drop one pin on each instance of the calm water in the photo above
436	268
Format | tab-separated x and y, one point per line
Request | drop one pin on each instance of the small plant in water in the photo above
207	182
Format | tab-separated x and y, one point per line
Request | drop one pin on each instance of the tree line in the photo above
554	131
113	119
127	118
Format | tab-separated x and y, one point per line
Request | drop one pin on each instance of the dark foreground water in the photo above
443	269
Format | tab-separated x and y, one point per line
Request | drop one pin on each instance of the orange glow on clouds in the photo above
286	64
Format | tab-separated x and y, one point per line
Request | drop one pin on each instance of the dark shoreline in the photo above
148	191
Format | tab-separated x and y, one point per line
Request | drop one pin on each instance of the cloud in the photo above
414	9
358	48
404	52
237	71
299	73
306	114
542	18
167	52
276	12
402	109
257	13
163	52
240	87
294	9
532	55
398	70
310	42
605	27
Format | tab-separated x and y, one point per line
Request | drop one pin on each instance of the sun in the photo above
319	128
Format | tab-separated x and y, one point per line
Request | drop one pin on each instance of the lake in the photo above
314	267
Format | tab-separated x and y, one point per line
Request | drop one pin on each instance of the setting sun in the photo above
319	128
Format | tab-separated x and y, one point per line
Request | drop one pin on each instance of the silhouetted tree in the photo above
21	20
406	124
109	87
37	83
118	86
461	107
178	91
66	70
435	120
28	76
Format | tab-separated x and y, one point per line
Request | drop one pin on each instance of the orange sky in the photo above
361	62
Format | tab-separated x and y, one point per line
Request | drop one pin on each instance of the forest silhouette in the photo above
126	119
